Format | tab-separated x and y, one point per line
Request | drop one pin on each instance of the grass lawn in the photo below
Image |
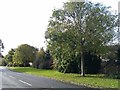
89	80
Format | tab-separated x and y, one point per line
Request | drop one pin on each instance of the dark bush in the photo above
111	69
3	63
68	64
72	65
92	63
36	63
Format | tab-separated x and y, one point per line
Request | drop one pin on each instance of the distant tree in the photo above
48	59
3	62
43	60
1	47
9	57
78	28
24	54
40	57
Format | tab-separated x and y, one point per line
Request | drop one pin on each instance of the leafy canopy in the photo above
79	27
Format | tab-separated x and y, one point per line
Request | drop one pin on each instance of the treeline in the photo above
26	55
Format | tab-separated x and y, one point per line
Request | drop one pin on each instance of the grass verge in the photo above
94	81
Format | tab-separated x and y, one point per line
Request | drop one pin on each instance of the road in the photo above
10	79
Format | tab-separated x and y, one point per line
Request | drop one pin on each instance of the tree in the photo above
40	57
48	59
80	27
9	57
43	60
1	47
3	62
24	54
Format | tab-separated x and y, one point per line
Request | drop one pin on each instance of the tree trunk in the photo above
82	65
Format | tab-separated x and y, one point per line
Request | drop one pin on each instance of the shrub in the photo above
3	63
92	63
112	70
71	64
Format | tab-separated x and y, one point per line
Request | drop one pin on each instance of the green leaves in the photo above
24	54
9	56
75	22
43	60
1	45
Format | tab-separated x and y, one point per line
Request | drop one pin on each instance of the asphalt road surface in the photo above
15	80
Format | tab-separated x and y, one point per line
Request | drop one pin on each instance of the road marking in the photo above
12	77
25	82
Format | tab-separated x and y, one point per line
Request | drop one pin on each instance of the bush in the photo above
112	70
71	64
36	63
3	63
68	64
92	63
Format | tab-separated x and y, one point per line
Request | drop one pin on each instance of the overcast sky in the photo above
25	21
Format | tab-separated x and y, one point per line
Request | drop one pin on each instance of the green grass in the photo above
90	80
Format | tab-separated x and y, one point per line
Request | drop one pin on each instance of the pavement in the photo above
10	80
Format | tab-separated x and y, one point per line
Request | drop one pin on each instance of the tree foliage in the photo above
24	54
2	61
43	60
40	57
1	48
9	57
78	28
1	45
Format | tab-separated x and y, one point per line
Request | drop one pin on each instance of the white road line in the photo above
12	77
25	82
